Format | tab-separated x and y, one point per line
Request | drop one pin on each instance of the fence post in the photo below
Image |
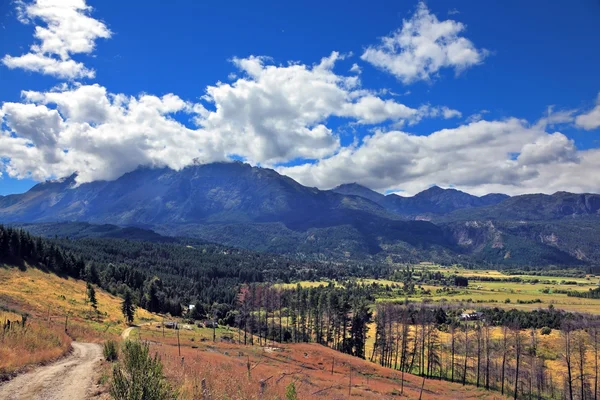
263	386
205	394
350	382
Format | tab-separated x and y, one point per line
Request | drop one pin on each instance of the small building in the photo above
473	316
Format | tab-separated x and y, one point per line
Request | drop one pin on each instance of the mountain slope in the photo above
434	200
229	199
536	207
255	208
220	192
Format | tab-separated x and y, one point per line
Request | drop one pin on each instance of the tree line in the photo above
331	316
498	351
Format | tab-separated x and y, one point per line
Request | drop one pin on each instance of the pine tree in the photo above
91	293
128	308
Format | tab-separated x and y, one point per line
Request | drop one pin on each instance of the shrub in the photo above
111	350
546	331
141	376
290	392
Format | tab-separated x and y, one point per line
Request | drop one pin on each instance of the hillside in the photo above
48	302
537	207
223	365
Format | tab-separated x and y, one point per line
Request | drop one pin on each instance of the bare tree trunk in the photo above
452	344
504	351
464	381
567	336
488	351
478	352
518	346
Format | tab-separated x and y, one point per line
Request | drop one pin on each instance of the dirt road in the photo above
125	334
69	378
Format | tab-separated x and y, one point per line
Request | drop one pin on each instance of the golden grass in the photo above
42	294
49	300
33	343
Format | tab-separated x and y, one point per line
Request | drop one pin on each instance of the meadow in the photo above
48	302
532	292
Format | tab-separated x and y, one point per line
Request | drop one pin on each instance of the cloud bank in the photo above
290	117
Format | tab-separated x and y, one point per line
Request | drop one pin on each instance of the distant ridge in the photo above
238	205
434	200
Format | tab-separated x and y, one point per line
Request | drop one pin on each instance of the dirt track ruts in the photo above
70	378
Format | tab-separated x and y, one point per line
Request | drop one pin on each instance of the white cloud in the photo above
36	62
99	134
422	47
270	114
279	113
356	69
478	157
591	119
67	29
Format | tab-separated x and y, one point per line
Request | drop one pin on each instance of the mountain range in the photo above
257	208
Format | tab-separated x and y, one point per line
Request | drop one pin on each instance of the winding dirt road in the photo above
69	378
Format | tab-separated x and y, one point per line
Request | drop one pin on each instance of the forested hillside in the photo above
165	276
258	209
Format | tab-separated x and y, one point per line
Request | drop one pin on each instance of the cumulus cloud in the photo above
422	47
478	157
279	113
591	119
98	134
269	114
66	29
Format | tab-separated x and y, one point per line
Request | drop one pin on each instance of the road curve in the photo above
125	334
69	378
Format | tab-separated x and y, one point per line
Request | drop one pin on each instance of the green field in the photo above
531	293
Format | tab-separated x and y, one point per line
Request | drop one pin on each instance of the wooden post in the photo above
178	344
66	321
205	394
263	386
332	364
163	326
422	386
350	383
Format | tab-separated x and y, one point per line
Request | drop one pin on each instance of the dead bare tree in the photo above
566	331
518	350
505	346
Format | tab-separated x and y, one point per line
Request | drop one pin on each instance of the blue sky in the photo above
528	61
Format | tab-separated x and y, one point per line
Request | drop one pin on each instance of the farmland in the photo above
486	288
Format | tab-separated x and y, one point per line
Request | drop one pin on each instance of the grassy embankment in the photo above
48	301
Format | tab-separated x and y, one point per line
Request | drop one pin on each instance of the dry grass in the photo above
49	300
224	369
33	343
44	294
